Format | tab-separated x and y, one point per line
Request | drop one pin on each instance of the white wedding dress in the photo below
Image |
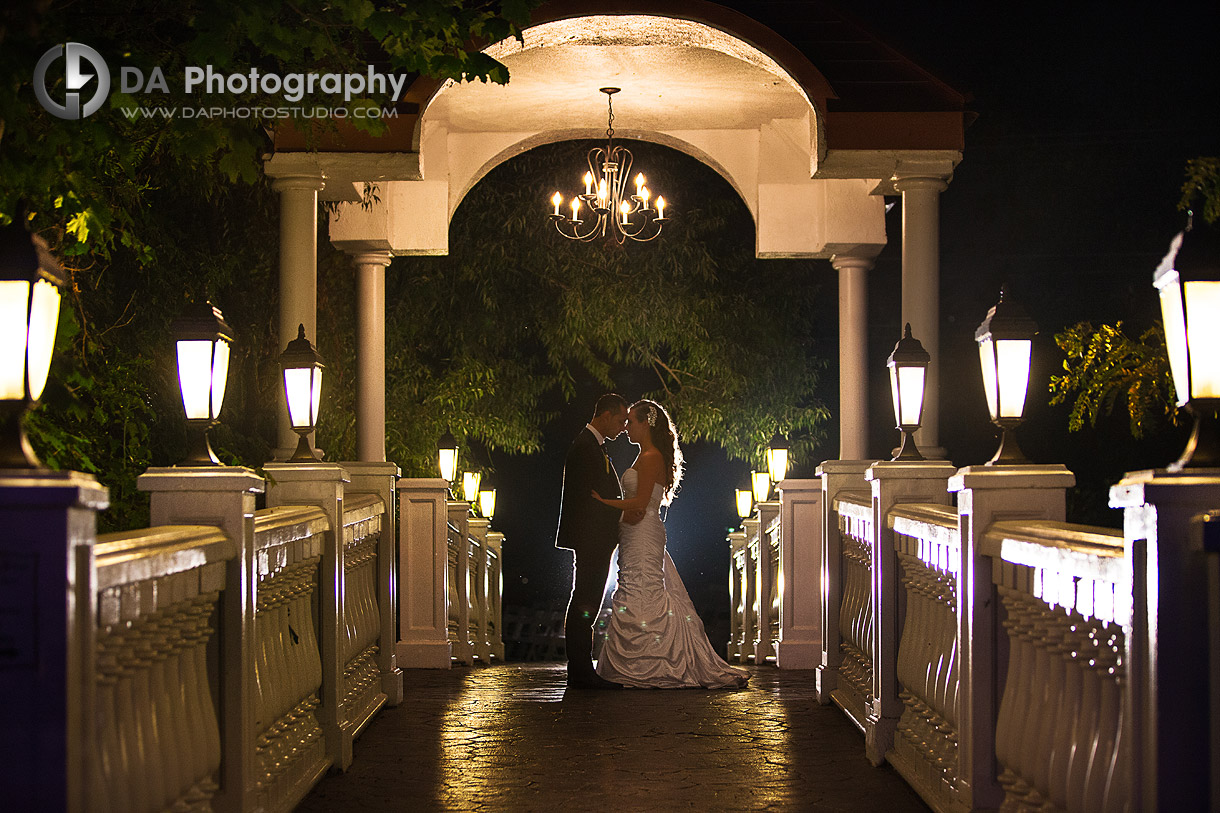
655	639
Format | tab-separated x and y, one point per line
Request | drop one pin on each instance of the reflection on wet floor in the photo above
511	737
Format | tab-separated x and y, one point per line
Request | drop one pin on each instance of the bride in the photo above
655	638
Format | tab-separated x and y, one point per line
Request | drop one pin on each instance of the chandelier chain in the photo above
610	117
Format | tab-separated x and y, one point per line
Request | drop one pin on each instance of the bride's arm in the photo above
648	473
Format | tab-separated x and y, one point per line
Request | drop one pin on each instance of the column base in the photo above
424	654
879	738
825	681
391	684
762	651
798	654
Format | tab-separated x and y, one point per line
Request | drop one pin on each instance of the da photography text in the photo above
87	84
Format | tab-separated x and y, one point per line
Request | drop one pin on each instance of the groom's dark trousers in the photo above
590	529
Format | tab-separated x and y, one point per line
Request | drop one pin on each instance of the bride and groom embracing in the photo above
655	639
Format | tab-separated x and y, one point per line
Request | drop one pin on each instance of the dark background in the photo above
1067	194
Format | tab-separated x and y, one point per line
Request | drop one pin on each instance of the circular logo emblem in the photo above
77	79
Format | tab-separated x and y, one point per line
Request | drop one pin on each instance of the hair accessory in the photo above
652	415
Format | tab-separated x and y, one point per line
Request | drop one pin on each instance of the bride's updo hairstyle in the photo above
665	438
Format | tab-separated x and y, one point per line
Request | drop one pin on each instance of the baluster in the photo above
114	752
1014	706
1068	715
151	767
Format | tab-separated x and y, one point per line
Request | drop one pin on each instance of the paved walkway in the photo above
508	738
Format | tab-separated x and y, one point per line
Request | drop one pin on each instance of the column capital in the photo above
920	180
303	181
842	261
370	256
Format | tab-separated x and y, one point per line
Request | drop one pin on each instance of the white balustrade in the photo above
157	737
1067	600
363	696
856	628
290	753
763	545
928	545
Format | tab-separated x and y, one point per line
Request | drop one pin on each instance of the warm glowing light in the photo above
470	485
644	195
487	502
625	208
1012	365
557	199
777	458
639	182
44	317
575	208
907	388
761	481
588	183
14	301
446	456
745	502
660	207
602	192
196	373
303	386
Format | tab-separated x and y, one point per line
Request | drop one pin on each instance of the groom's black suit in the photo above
589	528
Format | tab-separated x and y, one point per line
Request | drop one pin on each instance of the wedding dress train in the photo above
655	639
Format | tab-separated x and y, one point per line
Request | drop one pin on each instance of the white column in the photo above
298	274
921	286
853	355
370	354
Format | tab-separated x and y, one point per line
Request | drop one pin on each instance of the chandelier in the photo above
606	208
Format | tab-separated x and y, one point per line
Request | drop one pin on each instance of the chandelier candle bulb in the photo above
601	192
588	183
557	199
575	210
639	183
661	208
644	195
626	210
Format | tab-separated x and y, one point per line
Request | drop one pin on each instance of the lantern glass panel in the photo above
1173	312
745	503
299	386
761	481
908	399
1203	334
220	376
447	460
1012	360
195	377
990	377
44	317
470	485
777	464
14	302
487	503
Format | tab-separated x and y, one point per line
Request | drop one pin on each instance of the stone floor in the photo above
509	738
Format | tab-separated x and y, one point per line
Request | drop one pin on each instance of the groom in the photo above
590	529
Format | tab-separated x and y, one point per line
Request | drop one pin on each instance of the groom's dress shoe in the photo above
593	681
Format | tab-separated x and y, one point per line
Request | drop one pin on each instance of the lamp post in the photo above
908	377
302	368
203	340
1005	340
745	497
470	486
30	279
777	457
1188	280
446	456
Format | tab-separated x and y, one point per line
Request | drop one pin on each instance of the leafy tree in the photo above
1106	369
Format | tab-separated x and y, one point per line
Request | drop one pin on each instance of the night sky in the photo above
1067	194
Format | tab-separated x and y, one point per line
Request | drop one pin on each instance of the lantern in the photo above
30	280
203	341
1006	340
447	454
908	377
1188	280
302	367
745	497
777	457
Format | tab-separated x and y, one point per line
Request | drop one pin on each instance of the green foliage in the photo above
1106	369
150	214
1201	190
